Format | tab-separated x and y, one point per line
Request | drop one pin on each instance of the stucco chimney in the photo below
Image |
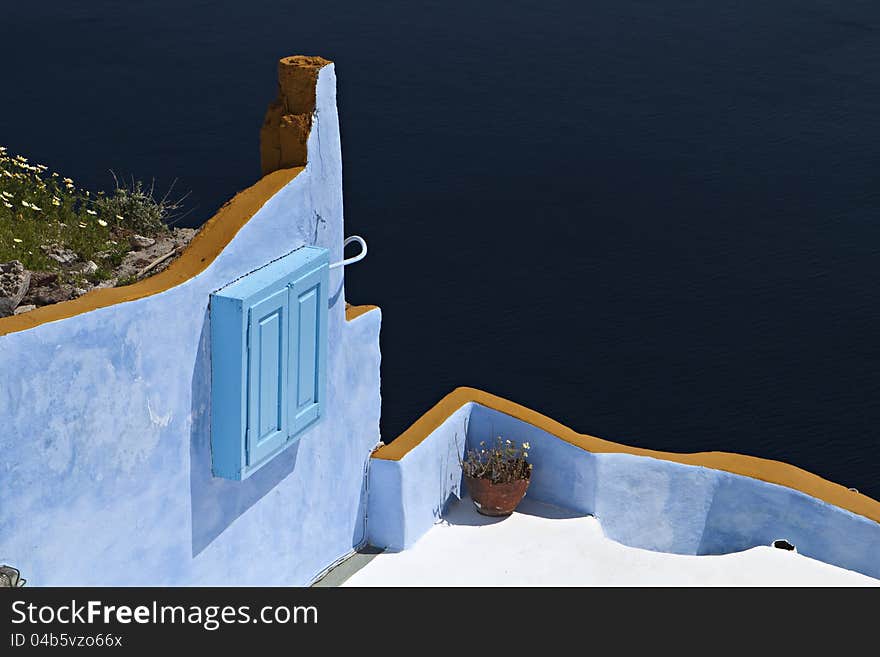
285	130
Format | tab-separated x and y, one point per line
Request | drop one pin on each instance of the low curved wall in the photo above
645	499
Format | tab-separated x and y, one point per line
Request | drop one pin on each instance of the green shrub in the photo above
133	206
501	463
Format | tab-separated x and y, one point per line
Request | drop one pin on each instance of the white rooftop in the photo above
541	545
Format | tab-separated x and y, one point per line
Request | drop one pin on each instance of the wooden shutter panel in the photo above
308	346
268	360
268	348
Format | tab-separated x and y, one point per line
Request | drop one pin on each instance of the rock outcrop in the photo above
14	283
139	242
60	254
22	291
288	121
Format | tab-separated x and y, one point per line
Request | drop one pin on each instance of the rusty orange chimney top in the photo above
288	121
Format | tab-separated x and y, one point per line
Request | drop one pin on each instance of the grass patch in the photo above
41	210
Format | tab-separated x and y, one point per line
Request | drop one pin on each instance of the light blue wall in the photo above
742	515
407	497
640	501
105	475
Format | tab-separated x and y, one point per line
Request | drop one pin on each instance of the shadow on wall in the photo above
336	296
359	536
216	502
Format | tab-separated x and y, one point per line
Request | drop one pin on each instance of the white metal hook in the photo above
360	256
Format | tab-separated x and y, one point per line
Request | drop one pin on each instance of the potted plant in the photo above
497	476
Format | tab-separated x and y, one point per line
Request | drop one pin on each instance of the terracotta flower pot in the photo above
496	499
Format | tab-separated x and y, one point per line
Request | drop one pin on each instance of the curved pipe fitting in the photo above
360	256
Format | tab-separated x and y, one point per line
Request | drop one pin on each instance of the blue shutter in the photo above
308	340
267	376
268	360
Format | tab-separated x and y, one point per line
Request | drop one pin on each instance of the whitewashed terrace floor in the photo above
541	545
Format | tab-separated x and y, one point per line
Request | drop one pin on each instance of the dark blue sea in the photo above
656	222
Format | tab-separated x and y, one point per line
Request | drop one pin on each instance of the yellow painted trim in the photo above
353	312
774	472
215	234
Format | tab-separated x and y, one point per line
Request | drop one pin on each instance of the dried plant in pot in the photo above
497	476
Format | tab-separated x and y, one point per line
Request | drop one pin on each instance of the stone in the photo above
89	268
128	267
50	294
24	309
139	242
41	278
59	254
14	283
10	577
183	236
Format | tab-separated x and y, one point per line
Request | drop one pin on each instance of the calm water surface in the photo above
656	222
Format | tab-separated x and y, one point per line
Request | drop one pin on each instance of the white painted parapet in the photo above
640	501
